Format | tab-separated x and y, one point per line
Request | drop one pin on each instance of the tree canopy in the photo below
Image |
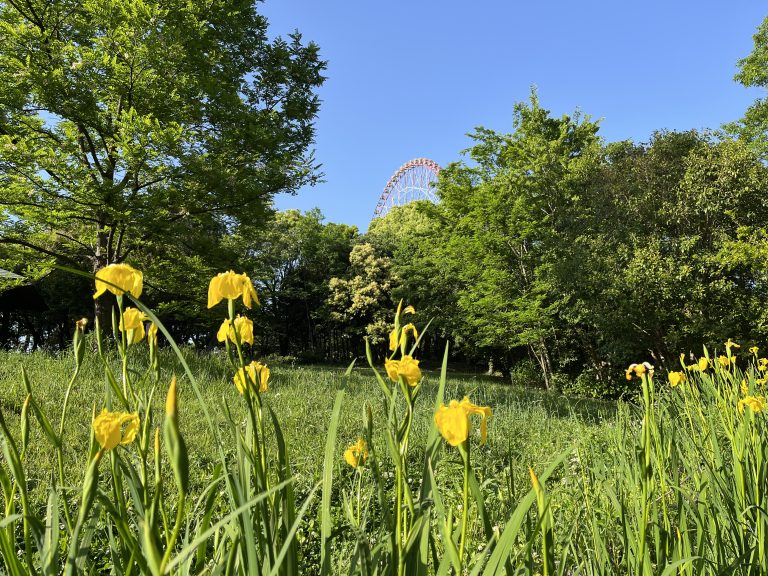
146	128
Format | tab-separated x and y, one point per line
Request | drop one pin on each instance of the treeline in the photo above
553	257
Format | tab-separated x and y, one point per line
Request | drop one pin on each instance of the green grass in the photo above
672	485
529	427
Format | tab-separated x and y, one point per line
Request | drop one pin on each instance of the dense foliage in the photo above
553	257
145	131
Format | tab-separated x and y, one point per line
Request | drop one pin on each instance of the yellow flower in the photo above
231	286
357	453
724	361
692	367
113	428
731	344
755	403
406	367
453	420
762	364
132	323
754	350
638	370
391	367
703	364
394	342
744	388
409	328
81	324
676	378
254	372
124	277
243	325
152	334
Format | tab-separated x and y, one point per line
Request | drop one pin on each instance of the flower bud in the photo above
170	399
78	341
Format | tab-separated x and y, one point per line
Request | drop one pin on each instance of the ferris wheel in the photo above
414	180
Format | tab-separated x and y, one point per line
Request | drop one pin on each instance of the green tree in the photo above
291	261
666	254
753	73
504	215
411	237
361	299
127	126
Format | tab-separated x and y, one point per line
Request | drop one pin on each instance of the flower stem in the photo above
464	449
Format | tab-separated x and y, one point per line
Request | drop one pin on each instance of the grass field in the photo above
528	428
672	484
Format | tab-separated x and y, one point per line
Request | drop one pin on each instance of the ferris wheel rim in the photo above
429	166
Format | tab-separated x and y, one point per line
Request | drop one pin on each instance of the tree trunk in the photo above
540	352
101	306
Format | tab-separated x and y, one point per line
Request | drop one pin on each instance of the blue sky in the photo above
411	79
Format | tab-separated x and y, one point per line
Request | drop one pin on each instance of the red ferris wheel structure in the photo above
414	180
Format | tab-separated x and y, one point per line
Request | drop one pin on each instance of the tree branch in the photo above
26	244
92	148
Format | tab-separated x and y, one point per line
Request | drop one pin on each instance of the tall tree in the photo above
128	125
666	253
505	213
753	72
291	261
361	299
412	236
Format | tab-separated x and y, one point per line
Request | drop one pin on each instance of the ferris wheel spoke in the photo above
414	180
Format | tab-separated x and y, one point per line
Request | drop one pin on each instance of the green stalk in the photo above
399	521
175	534
464	449
646	472
60	448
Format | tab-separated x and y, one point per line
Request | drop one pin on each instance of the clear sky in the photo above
408	79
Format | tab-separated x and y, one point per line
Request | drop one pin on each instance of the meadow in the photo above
529	427
125	457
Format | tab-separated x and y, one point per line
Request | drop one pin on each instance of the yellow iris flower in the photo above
676	378
703	364
406	367
132	323
124	277
725	361
638	370
228	285
152	335
244	327
754	403
731	344
395	342
357	453
453	420
113	428
254	372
